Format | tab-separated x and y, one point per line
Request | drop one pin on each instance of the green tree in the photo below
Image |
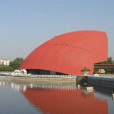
110	61
6	68
16	63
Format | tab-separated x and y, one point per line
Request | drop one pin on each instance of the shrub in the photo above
85	69
6	68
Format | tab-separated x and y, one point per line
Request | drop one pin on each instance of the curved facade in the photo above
69	53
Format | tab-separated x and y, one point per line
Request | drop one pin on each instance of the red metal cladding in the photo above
69	53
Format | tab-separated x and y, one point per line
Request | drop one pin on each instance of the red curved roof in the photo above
69	53
65	102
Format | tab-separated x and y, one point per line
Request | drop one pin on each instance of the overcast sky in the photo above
26	24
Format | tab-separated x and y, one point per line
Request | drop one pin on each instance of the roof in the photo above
69	53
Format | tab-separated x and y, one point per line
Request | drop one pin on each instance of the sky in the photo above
26	24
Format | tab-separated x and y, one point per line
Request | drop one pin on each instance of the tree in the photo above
16	63
110	61
6	68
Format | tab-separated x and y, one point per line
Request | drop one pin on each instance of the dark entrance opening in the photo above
43	72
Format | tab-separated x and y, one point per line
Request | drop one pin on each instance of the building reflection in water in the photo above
63	101
2	83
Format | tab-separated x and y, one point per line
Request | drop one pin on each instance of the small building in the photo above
4	62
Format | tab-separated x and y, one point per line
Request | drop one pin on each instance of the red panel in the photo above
66	102
69	53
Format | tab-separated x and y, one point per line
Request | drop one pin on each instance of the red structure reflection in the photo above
66	102
69	53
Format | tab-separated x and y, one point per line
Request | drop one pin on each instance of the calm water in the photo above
34	99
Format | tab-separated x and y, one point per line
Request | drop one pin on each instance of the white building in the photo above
4	62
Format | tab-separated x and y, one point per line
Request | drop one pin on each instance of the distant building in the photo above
4	62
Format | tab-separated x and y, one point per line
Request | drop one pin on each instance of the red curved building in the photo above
69	53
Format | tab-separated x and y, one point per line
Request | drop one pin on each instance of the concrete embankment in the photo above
102	82
40	80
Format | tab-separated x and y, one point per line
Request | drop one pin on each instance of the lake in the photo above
20	98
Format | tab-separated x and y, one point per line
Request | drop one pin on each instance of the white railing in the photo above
42	76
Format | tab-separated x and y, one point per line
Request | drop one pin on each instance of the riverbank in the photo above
40	80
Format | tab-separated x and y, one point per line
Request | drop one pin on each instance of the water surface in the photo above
38	99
